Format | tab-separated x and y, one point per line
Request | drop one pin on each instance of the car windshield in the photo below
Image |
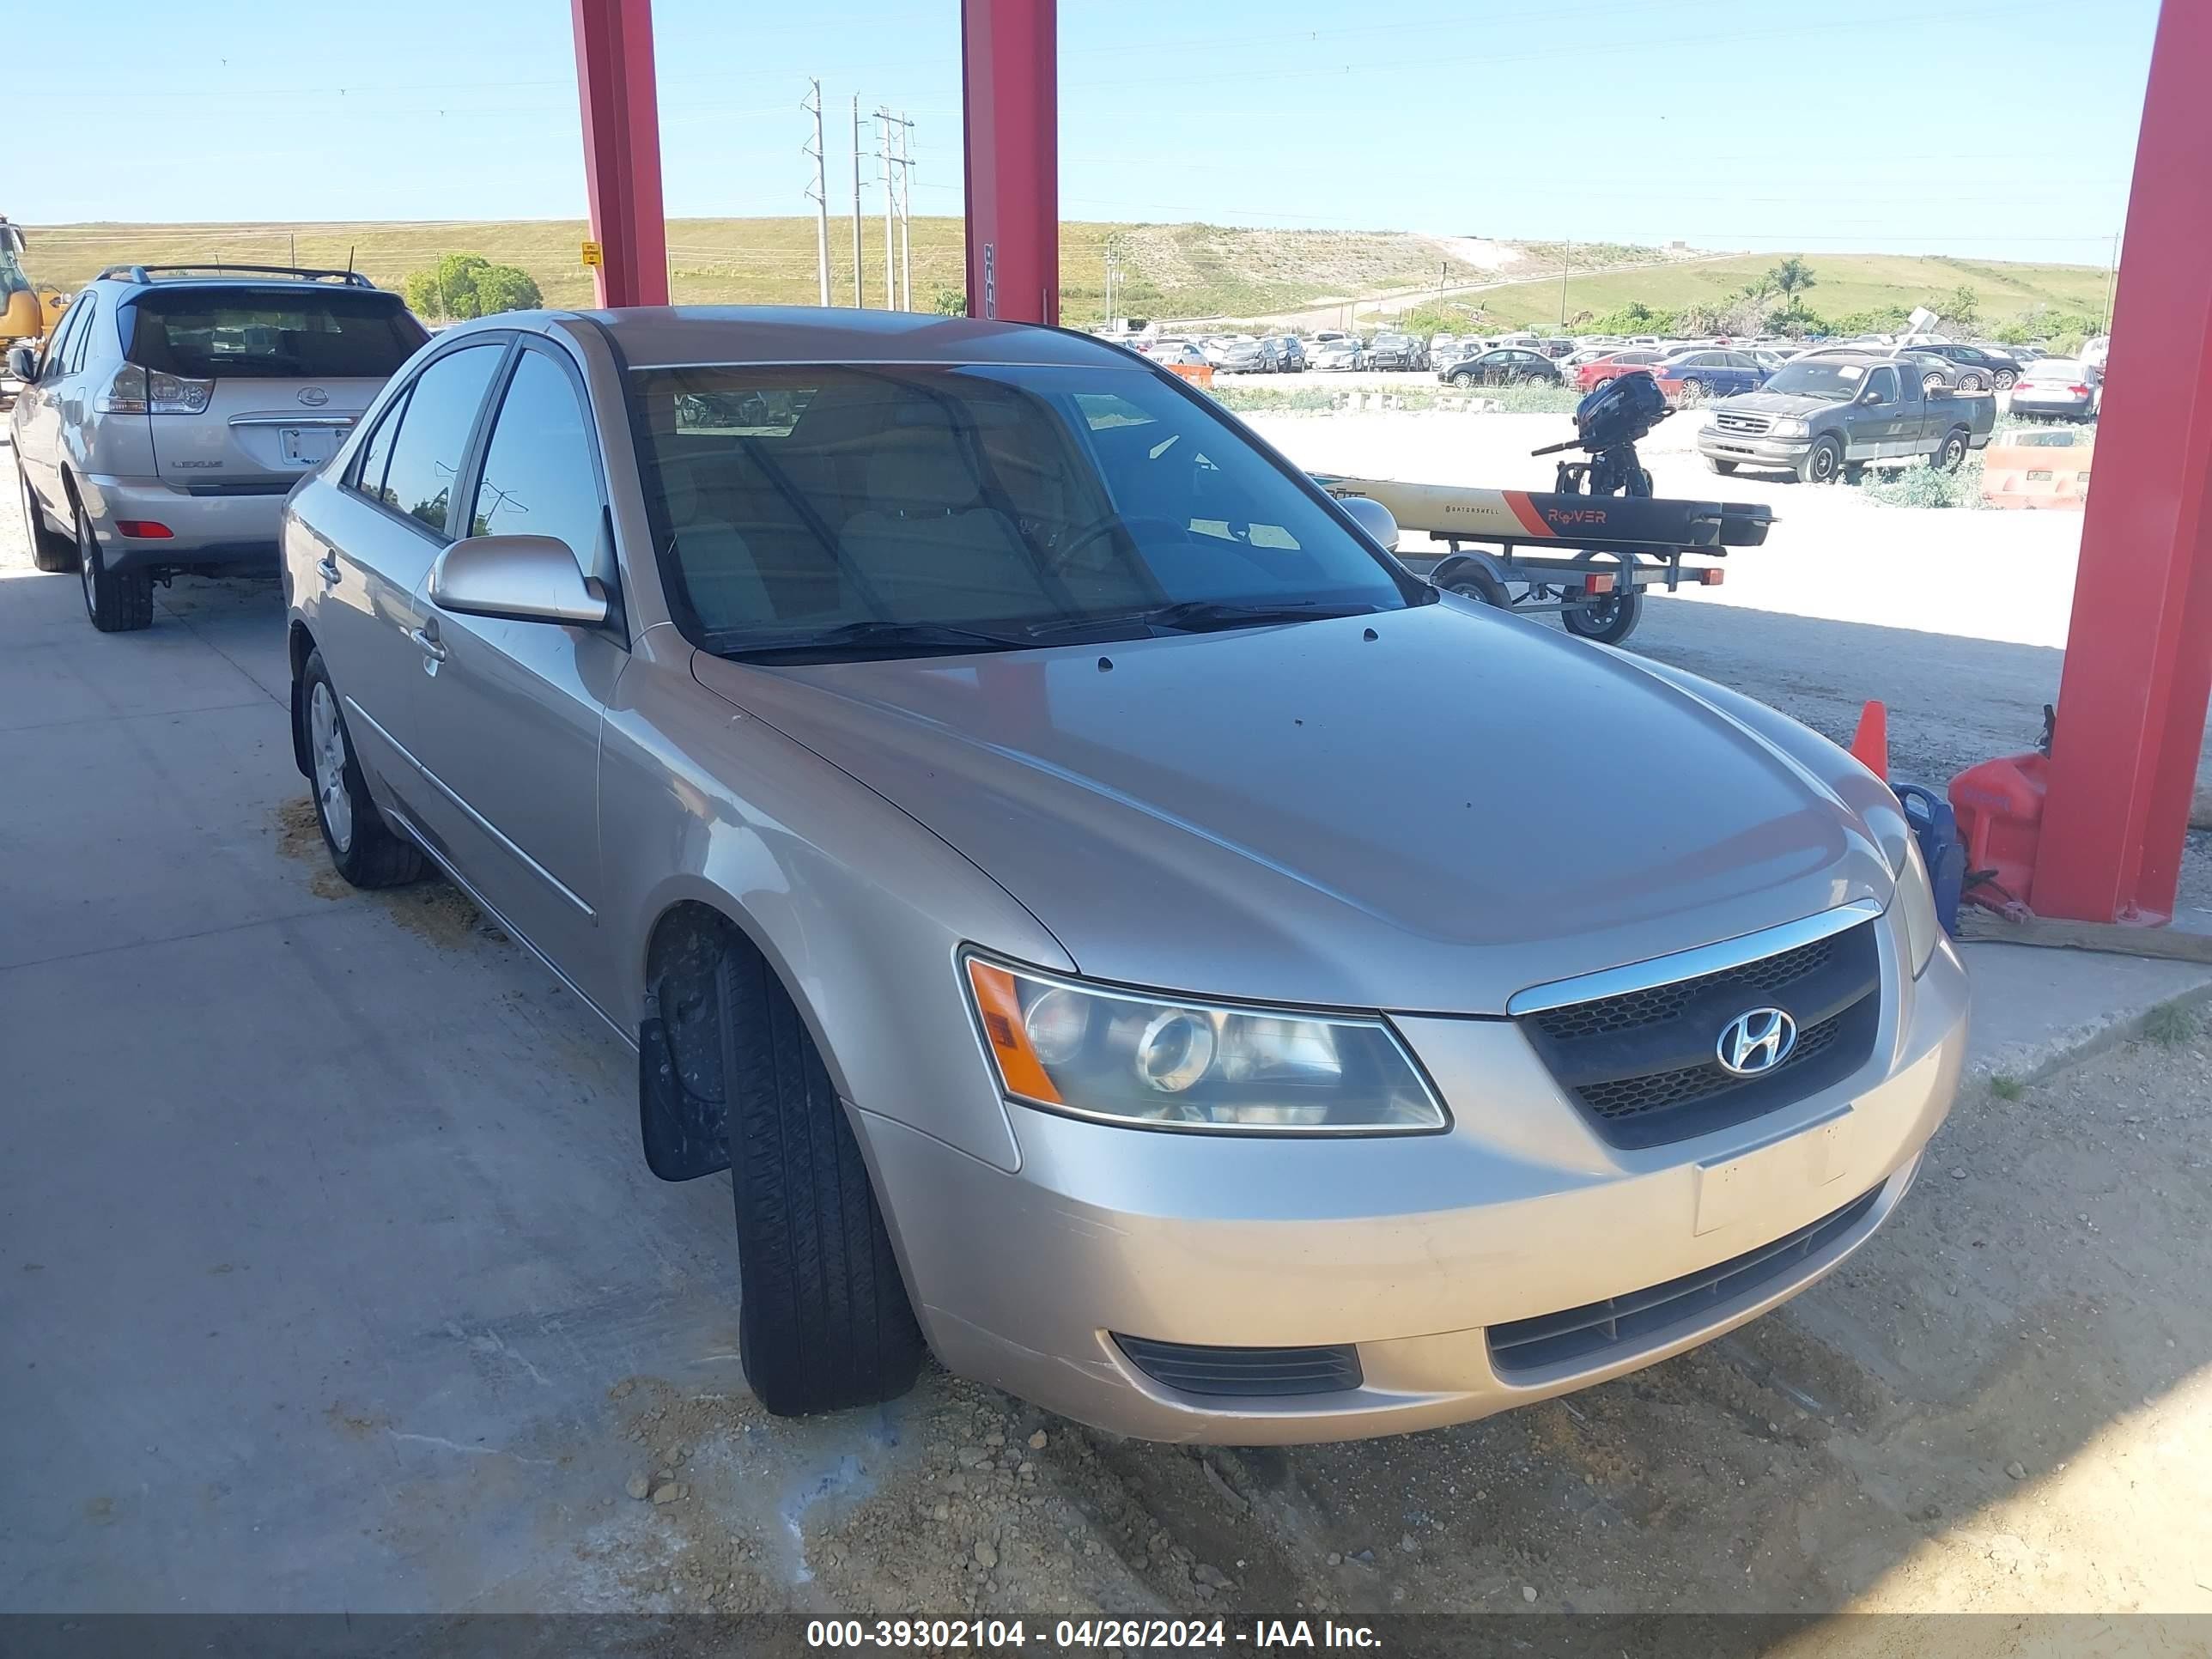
818	513
285	334
1831	382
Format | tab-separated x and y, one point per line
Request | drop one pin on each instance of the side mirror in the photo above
517	579
23	363
1374	518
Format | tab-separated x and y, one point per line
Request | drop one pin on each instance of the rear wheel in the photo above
1692	392
51	552
2003	380
1953	454
363	847
1970	383
118	601
1931	383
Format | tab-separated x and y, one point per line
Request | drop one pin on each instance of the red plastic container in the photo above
2000	808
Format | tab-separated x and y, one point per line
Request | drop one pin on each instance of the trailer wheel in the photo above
1607	621
1474	580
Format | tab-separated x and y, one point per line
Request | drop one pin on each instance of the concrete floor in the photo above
326	1237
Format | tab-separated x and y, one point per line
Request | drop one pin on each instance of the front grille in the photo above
1644	1064
1190	1368
1603	1331
1626	1097
1728	421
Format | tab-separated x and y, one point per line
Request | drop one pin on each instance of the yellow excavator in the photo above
28	310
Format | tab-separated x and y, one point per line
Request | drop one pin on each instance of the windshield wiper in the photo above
1199	617
873	638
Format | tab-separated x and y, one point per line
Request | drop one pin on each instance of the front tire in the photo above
1823	462
823	1322
54	554
116	601
363	849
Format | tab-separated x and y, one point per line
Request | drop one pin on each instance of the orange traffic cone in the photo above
1870	743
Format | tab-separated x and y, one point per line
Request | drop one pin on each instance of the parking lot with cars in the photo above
464	1352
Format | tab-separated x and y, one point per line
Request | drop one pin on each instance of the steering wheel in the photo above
1063	553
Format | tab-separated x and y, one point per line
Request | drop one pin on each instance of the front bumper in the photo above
204	529
1749	450
1408	1247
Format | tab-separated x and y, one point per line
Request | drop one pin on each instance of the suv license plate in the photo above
308	445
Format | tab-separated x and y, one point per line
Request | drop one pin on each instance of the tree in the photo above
1964	308
465	285
950	303
1792	278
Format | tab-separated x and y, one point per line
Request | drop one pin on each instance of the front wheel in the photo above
1462	381
824	1322
1953	454
1822	462
116	601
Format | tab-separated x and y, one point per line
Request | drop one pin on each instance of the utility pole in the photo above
859	293
1566	259
883	155
906	208
2111	276
1113	270
820	191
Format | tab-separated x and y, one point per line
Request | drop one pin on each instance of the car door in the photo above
59	386
507	715
374	541
1873	429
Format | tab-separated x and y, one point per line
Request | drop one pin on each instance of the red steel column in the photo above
1009	61
2139	650
622	148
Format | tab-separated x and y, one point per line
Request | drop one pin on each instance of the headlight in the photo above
1785	428
1917	894
1163	1063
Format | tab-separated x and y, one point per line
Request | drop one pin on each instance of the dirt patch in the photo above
432	908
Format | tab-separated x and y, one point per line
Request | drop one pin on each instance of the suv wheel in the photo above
823	1322
54	554
362	847
118	601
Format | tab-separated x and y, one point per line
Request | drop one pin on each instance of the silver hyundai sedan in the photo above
1123	933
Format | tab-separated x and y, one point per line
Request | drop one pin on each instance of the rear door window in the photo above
433	432
80	342
303	334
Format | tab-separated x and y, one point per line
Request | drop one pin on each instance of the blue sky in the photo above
1728	123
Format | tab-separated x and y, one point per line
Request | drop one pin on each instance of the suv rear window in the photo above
291	334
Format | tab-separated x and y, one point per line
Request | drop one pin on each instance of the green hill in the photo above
1168	270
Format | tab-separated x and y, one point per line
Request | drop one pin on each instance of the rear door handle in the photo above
431	648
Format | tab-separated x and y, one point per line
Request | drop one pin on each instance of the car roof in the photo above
651	336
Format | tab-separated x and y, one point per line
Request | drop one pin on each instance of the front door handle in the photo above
429	642
327	568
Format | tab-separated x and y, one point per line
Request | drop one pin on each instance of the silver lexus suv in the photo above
1122	933
174	407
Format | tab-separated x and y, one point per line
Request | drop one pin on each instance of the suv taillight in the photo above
137	391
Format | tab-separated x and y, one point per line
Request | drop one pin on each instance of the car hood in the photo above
1778	403
1428	819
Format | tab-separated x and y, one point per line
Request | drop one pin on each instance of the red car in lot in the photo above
1598	370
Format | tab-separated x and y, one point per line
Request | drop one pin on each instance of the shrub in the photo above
465	285
1923	485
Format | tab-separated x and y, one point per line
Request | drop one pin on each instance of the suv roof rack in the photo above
306	273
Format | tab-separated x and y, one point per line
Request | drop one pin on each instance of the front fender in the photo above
857	908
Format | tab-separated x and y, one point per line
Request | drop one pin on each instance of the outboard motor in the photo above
1608	423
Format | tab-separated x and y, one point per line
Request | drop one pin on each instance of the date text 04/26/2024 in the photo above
1262	1635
